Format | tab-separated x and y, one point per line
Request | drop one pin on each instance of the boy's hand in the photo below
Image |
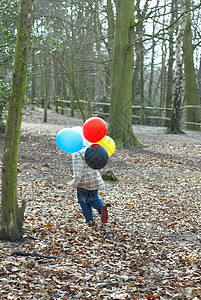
71	184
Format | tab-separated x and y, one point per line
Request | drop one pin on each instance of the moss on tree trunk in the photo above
120	119
12	215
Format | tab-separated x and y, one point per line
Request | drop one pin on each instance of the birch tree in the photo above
175	122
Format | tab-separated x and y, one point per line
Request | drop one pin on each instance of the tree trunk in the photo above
191	93
98	37
136	73
151	77
33	79
110	44
45	108
142	114
174	125
199	81
139	65
169	94
12	216
53	80
120	118
162	86
47	88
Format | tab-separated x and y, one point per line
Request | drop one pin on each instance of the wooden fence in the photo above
65	105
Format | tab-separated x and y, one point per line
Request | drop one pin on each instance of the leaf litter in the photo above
151	246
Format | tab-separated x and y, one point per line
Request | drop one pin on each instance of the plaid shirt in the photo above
84	176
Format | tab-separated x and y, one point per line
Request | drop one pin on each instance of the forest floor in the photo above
149	249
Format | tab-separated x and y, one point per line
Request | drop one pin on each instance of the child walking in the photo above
88	181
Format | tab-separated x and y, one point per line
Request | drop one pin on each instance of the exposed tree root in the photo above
174	130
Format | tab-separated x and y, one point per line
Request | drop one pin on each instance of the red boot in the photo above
104	214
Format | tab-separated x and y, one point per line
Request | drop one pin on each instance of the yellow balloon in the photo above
108	143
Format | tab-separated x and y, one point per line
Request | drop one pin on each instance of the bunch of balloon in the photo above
93	136
97	155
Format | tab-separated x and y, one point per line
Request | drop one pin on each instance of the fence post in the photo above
142	118
45	108
62	107
56	104
89	107
72	107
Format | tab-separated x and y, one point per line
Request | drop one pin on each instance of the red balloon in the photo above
94	129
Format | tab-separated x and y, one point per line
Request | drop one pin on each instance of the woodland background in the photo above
72	52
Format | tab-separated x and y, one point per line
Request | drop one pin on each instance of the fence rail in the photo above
61	107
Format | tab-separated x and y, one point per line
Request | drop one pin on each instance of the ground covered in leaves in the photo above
150	248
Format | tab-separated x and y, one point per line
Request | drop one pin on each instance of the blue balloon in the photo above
69	140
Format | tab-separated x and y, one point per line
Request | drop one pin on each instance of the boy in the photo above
88	181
